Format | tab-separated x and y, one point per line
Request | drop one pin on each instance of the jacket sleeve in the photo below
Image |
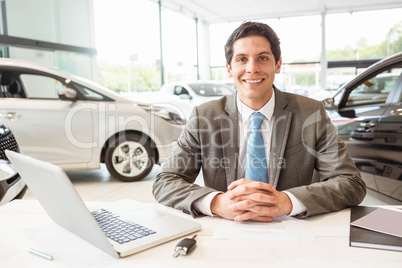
174	186
337	182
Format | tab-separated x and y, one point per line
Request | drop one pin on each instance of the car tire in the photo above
130	157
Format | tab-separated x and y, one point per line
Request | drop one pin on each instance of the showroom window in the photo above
53	38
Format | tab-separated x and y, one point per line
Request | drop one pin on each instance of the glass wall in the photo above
360	36
126	36
179	46
61	22
300	42
364	35
349	37
58	21
128	43
127	40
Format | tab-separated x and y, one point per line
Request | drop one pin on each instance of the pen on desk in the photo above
40	254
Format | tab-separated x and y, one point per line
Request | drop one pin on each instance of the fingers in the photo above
249	215
251	184
257	191
237	183
256	213
251	200
254	198
261	210
249	209
220	206
244	210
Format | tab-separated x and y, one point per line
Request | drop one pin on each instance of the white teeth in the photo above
254	81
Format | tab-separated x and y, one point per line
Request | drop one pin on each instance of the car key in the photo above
185	246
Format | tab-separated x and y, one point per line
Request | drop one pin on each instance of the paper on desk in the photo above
283	229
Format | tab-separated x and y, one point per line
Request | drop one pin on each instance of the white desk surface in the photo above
24	224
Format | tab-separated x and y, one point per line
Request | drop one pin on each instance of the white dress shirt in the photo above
204	204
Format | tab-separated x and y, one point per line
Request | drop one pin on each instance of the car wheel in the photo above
129	157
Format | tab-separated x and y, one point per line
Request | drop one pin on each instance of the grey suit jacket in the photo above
306	158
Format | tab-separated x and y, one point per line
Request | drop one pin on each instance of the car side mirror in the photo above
348	113
185	97
67	93
329	104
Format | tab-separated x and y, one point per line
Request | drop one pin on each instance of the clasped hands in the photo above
251	200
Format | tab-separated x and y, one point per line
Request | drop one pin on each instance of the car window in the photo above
169	89
374	90
338	96
179	90
41	87
89	94
10	86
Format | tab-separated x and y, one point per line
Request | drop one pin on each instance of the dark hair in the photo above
249	28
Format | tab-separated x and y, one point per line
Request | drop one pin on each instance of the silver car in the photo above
78	124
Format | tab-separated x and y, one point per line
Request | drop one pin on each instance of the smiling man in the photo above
263	153
253	68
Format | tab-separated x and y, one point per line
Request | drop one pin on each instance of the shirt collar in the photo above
267	110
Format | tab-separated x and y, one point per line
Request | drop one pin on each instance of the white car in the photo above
182	96
78	124
198	92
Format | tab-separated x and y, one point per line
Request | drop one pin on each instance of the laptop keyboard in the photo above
119	230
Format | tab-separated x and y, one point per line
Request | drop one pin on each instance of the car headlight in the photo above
165	112
4	131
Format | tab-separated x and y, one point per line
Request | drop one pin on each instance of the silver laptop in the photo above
147	225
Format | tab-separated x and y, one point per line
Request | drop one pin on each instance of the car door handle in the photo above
9	115
359	135
368	124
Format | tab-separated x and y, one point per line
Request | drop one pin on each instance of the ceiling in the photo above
218	11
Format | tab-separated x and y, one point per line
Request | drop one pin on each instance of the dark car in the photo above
368	114
11	185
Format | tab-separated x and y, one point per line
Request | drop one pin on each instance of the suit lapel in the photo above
230	138
280	130
281	126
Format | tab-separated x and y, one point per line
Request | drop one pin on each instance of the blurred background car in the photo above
78	124
198	92
299	90
11	185
367	112
184	95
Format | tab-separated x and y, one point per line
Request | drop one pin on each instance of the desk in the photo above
24	224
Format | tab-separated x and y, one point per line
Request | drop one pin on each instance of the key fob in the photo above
185	246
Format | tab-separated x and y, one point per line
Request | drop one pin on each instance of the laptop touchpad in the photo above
147	214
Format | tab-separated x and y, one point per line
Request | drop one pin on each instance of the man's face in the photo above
253	69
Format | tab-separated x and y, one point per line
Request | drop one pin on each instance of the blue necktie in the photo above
256	162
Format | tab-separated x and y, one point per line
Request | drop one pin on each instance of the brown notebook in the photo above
362	237
382	220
